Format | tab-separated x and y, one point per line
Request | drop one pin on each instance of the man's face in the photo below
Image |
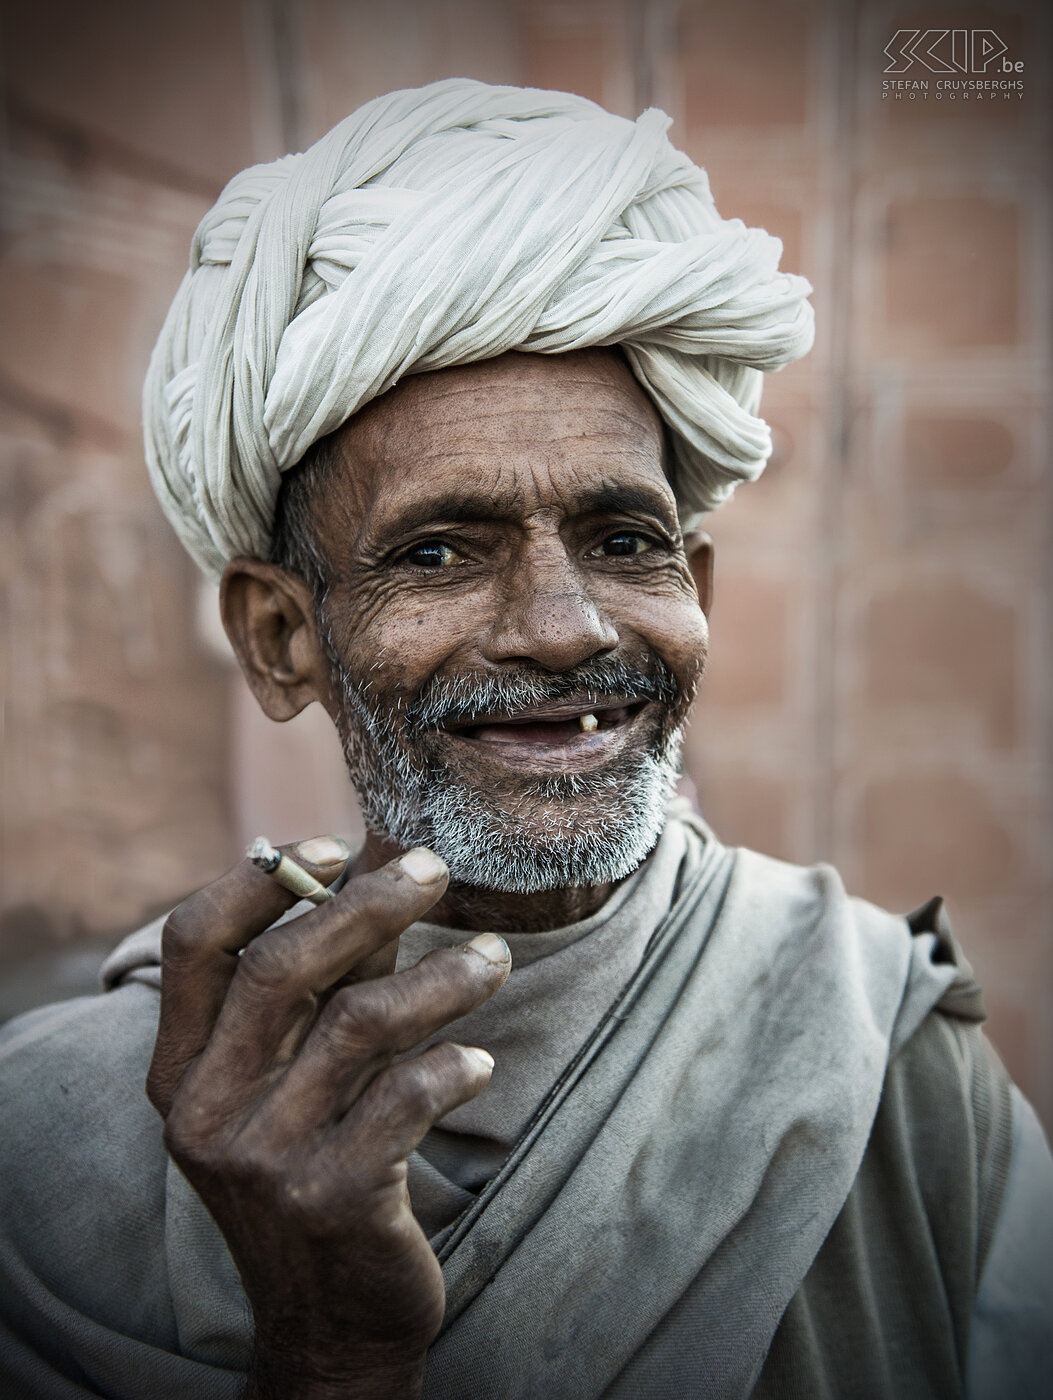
513	630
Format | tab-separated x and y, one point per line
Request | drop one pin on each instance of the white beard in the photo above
555	832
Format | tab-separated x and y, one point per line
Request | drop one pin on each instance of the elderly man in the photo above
557	1096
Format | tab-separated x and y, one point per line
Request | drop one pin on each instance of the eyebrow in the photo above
474	508
454	508
627	500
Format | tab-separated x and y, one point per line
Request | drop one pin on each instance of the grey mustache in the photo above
445	701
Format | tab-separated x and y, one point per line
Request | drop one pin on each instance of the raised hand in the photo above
274	1072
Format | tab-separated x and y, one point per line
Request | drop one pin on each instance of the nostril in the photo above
556	630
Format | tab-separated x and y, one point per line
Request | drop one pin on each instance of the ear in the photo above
698	546
268	614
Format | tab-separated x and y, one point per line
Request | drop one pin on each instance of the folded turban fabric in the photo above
442	225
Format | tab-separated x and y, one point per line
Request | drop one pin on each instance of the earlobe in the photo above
698	546
268	615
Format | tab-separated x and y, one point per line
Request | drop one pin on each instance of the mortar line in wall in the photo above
1044	22
645	21
839	150
287	40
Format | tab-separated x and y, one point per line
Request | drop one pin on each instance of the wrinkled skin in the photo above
273	1070
283	1109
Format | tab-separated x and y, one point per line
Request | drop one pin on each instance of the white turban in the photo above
439	226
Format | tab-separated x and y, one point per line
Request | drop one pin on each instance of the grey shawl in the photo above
700	1147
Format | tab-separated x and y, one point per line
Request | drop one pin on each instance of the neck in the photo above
476	910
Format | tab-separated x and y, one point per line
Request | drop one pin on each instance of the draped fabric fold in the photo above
695	1153
655	1220
761	1022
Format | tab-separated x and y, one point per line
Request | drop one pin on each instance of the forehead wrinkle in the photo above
388	438
590	456
530	379
534	458
509	504
531	439
549	427
535	399
459	383
592	365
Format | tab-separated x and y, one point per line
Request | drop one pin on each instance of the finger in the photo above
199	952
311	954
273	997
404	1101
363	1028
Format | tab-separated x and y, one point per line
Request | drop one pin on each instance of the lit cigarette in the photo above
588	723
287	873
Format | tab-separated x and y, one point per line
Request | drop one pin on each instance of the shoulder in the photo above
811	897
82	1160
946	1118
77	1063
944	1112
1011	1342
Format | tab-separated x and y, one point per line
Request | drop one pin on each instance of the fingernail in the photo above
423	867
324	850
480	1054
492	948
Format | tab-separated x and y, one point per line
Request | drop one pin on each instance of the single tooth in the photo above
588	723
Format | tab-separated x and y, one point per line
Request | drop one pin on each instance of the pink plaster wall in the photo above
879	692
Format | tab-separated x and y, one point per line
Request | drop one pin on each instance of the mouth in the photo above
556	735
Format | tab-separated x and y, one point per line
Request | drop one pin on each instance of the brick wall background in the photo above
879	693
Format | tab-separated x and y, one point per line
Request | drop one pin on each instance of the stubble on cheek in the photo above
499	828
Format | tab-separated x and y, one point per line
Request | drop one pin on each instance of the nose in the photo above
547	614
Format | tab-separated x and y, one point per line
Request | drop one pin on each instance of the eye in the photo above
624	543
431	554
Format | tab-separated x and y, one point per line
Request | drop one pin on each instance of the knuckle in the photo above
308	1197
187	925
189	1135
243	1158
416	1089
197	922
212	1145
263	965
248	1162
359	1018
